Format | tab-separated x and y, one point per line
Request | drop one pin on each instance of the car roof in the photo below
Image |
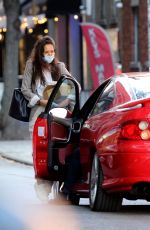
135	74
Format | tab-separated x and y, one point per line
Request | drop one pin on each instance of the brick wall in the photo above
127	35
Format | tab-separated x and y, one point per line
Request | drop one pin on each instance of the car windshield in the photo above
140	87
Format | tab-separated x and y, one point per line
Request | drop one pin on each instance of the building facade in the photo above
63	24
125	21
135	38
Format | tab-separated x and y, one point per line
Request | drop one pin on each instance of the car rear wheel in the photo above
99	199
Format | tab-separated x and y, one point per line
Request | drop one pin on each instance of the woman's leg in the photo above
73	172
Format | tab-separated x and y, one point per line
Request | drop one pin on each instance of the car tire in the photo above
99	199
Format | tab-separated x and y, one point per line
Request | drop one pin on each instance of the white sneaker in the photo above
43	190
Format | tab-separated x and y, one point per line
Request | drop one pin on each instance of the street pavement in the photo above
21	151
17	150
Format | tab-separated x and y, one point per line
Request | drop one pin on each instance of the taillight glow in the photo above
145	135
136	130
143	125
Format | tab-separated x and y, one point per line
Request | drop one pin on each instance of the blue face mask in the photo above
48	58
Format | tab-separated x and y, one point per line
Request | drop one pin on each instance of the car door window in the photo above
105	101
65	96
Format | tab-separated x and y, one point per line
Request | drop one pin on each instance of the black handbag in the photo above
18	107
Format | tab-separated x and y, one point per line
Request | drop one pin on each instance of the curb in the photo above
16	160
17	150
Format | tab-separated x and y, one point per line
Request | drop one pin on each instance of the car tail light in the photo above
136	130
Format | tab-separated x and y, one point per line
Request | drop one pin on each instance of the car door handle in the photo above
76	127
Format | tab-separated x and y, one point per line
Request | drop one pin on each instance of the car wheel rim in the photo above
94	180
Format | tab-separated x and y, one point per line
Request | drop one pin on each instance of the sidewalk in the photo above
17	150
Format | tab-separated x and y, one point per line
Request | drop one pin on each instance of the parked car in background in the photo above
112	130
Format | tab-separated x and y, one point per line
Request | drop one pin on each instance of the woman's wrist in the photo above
38	102
42	102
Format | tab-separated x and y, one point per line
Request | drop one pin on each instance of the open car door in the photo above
54	131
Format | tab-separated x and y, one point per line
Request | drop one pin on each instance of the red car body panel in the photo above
40	149
124	162
57	132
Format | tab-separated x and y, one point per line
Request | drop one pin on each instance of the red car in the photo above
112	130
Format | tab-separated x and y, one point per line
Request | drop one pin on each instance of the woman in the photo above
41	69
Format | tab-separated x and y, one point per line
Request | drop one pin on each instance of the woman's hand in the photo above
43	102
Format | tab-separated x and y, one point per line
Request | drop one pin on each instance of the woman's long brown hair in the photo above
39	64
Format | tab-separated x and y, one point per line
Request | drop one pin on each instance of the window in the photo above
66	96
136	34
105	101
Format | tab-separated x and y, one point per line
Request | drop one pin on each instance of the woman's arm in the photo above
63	70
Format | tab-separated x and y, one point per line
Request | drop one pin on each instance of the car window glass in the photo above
105	101
140	86
65	97
124	91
